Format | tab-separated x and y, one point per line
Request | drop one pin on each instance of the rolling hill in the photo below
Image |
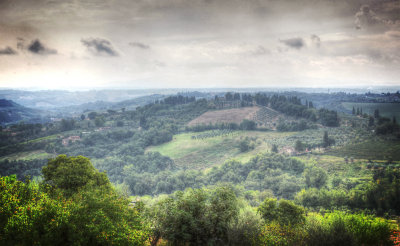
11	112
263	116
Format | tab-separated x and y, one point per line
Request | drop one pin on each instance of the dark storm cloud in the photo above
316	40
99	46
295	43
7	51
37	47
139	45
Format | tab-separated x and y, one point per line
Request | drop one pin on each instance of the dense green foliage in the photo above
22	168
37	214
73	173
380	195
280	174
284	212
220	217
196	217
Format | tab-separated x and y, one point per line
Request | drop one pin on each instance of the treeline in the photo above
302	125
384	125
247	125
175	100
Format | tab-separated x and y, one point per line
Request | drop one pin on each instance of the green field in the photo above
207	152
385	109
374	149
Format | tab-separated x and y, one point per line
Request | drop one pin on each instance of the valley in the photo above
259	147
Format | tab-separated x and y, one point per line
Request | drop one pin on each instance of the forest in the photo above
286	172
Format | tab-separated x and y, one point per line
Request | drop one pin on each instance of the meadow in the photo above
210	151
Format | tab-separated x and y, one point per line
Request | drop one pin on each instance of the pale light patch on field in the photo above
28	155
235	115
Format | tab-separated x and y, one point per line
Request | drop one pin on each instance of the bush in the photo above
245	145
196	217
283	212
339	228
39	215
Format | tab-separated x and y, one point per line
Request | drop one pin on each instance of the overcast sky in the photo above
81	44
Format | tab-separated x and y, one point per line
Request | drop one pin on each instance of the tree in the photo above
245	145
371	121
315	177
195	217
83	117
99	121
353	111
299	146
72	173
67	125
376	114
274	148
248	125
327	141
92	115
228	96
33	214
120	123
284	212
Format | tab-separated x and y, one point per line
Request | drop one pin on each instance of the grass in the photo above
374	149
199	154
337	167
385	109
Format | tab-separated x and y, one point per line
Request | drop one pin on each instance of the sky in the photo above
89	44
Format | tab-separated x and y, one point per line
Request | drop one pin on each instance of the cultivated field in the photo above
374	149
235	115
206	152
206	149
28	155
268	117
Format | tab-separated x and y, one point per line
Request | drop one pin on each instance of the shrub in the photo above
340	228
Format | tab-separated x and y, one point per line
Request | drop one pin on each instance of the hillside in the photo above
11	112
263	116
234	115
213	148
